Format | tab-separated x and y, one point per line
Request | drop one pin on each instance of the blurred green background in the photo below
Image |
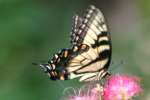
33	30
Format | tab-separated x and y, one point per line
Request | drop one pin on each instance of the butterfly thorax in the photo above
61	61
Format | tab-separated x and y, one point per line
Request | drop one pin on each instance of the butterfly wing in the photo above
87	29
93	33
90	55
75	26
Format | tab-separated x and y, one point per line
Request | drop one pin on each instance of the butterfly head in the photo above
47	68
54	73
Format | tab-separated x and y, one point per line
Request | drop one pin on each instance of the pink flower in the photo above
121	87
87	94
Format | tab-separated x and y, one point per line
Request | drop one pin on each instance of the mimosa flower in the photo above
87	94
121	87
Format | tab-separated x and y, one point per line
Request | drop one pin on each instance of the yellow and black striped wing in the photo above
90	54
93	33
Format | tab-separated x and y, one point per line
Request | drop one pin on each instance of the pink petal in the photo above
121	87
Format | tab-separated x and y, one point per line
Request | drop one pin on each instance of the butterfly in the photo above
89	56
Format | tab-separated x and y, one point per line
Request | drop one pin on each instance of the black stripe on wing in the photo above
106	41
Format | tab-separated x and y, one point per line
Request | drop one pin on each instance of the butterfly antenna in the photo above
33	63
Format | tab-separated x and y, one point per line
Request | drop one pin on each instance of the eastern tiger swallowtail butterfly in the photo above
90	54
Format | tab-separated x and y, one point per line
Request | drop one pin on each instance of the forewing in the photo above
93	24
94	33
